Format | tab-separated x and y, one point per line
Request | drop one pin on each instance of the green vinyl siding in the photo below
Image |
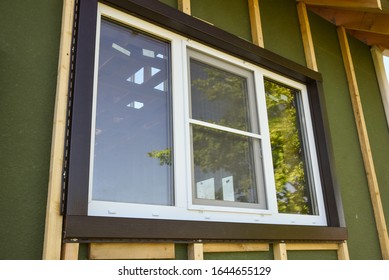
29	47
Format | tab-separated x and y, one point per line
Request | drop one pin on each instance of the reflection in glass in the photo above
219	97
132	118
224	167
291	166
227	163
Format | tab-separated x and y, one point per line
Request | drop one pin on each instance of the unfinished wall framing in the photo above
196	251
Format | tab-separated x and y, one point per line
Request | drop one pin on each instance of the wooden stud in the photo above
128	251
184	6
279	250
255	22
309	48
354	4
364	143
382	78
70	251
195	251
232	247
53	225
343	251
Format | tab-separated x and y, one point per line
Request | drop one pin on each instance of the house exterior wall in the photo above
29	46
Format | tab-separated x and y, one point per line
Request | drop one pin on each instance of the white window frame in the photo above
183	208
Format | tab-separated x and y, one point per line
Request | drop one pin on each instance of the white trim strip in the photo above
226	129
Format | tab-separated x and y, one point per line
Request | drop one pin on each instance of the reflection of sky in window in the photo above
132	118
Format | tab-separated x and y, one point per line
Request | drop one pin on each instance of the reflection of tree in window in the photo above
221	98
289	165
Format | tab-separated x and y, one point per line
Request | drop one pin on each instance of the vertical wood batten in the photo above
184	6
255	23
343	251
53	226
279	250
70	251
310	57
364	144
196	251
306	34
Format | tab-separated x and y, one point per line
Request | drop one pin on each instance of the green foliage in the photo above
164	156
288	163
222	98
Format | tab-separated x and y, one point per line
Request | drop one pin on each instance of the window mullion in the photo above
226	129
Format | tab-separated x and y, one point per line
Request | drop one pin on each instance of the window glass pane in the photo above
224	166
292	173
132	139
219	97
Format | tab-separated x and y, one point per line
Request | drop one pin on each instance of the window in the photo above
183	132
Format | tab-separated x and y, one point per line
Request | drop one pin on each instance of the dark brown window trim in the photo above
93	229
82	227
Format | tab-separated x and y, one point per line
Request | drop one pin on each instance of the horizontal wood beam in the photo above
354	4
355	20
312	246
128	251
232	247
371	39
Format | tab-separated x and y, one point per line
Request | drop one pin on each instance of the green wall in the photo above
29	46
374	116
281	29
349	169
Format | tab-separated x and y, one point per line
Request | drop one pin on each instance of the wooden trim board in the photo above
53	225
255	23
306	34
123	251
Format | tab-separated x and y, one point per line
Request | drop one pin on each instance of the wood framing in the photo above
356	4
235	247
184	6
196	251
70	251
128	251
382	78
364	143
279	250
53	227
343	251
255	23
309	48
311	246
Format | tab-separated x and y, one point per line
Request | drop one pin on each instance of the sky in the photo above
386	63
